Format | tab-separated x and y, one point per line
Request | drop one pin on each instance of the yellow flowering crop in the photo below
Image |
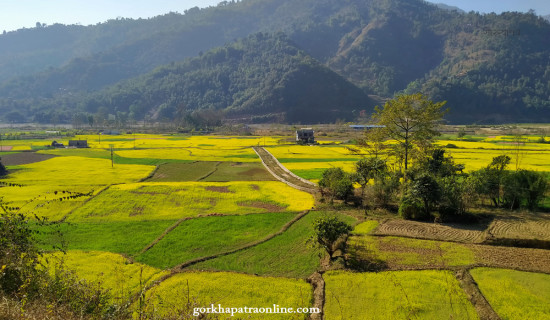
232	290
112	270
176	200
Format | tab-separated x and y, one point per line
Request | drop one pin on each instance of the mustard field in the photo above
428	294
177	200
144	220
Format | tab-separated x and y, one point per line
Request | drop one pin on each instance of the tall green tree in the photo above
327	233
411	120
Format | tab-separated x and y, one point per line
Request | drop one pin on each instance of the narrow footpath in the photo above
283	174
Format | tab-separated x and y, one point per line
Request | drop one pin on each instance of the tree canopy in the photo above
411	120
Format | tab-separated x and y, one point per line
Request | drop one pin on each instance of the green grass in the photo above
515	294
211	235
120	237
309	174
365	228
427	294
286	255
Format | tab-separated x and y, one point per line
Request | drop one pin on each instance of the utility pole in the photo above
112	161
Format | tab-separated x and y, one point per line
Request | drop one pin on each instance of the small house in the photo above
56	144
78	143
305	136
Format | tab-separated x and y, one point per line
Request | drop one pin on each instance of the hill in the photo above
491	68
259	78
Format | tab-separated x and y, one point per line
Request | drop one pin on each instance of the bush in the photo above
336	184
412	209
524	188
452	197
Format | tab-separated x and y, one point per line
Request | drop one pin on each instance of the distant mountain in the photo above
257	79
450	8
490	68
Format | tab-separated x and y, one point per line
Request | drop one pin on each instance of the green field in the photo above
425	294
211	235
285	255
211	171
116	236
515	294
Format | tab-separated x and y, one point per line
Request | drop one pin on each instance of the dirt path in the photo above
468	284
283	174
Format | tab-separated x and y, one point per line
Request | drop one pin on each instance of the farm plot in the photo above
114	272
239	154
21	158
212	171
369	252
75	171
285	255
231	290
208	236
147	141
309	162
431	231
119	237
177	200
515	294
521	226
49	187
427	294
387	252
52	202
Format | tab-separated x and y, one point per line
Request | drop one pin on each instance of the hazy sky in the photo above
16	14
542	7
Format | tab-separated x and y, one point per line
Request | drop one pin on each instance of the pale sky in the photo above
16	14
542	7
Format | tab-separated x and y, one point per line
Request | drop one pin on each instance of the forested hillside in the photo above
490	68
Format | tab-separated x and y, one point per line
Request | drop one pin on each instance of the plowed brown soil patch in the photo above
270	207
525	259
220	189
430	231
21	158
521	227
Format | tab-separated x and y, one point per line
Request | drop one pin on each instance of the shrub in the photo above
524	188
411	209
336	184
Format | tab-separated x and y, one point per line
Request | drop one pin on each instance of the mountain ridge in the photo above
384	47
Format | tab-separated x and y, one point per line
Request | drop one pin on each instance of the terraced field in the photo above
530	226
422	230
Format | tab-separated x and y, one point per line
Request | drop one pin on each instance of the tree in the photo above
327	232
367	169
411	120
336	184
426	189
3	170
